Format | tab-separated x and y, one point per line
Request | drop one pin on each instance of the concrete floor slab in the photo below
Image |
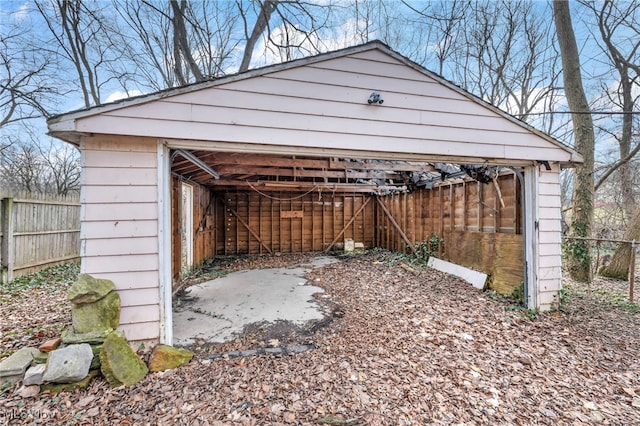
218	310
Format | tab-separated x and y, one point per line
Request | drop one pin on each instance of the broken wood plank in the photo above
498	192
409	269
475	278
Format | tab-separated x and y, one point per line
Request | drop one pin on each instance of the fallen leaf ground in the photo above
407	349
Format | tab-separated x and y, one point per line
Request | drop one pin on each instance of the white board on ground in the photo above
477	279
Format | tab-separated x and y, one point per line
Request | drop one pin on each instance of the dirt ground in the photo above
399	348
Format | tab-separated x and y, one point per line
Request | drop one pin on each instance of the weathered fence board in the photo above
37	230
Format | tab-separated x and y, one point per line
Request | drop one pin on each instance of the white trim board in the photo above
475	278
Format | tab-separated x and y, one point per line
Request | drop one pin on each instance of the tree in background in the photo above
29	89
619	39
503	51
579	260
82	37
27	84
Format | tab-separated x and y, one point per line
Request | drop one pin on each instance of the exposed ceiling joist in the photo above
271	172
223	158
270	186
298	172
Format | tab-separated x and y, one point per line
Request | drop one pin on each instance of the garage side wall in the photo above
549	237
119	226
474	224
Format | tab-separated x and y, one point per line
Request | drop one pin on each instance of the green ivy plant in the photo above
429	247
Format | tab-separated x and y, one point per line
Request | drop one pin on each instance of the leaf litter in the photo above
408	348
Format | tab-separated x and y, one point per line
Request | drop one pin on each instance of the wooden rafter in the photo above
298	172
218	159
294	173
294	186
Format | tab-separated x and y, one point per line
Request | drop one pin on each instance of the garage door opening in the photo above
266	204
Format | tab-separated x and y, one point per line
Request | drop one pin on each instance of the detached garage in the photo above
359	146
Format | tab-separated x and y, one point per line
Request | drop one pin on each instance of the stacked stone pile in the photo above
88	348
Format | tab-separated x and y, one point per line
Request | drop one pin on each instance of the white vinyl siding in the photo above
119	226
324	104
549	247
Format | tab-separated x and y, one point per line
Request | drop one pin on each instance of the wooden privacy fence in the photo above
36	231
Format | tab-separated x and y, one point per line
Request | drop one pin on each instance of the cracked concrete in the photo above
218	310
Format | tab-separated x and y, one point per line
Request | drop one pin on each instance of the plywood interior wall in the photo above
479	230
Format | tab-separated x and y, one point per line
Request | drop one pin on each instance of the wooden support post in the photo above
632	269
291	229
7	248
272	230
441	214
420	208
246	225
313	225
497	217
344	228
322	216
333	214
395	224
279	222
259	219
387	235
480	207
235	213
452	214
464	205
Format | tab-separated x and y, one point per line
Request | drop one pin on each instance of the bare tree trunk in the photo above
626	174
614	18
181	44
267	7
619	266
579	260
81	37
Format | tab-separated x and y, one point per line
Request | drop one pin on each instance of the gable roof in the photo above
330	75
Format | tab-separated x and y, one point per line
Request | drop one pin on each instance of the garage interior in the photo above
227	204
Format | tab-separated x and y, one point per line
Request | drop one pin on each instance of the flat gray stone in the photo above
68	365
298	349
34	374
13	368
